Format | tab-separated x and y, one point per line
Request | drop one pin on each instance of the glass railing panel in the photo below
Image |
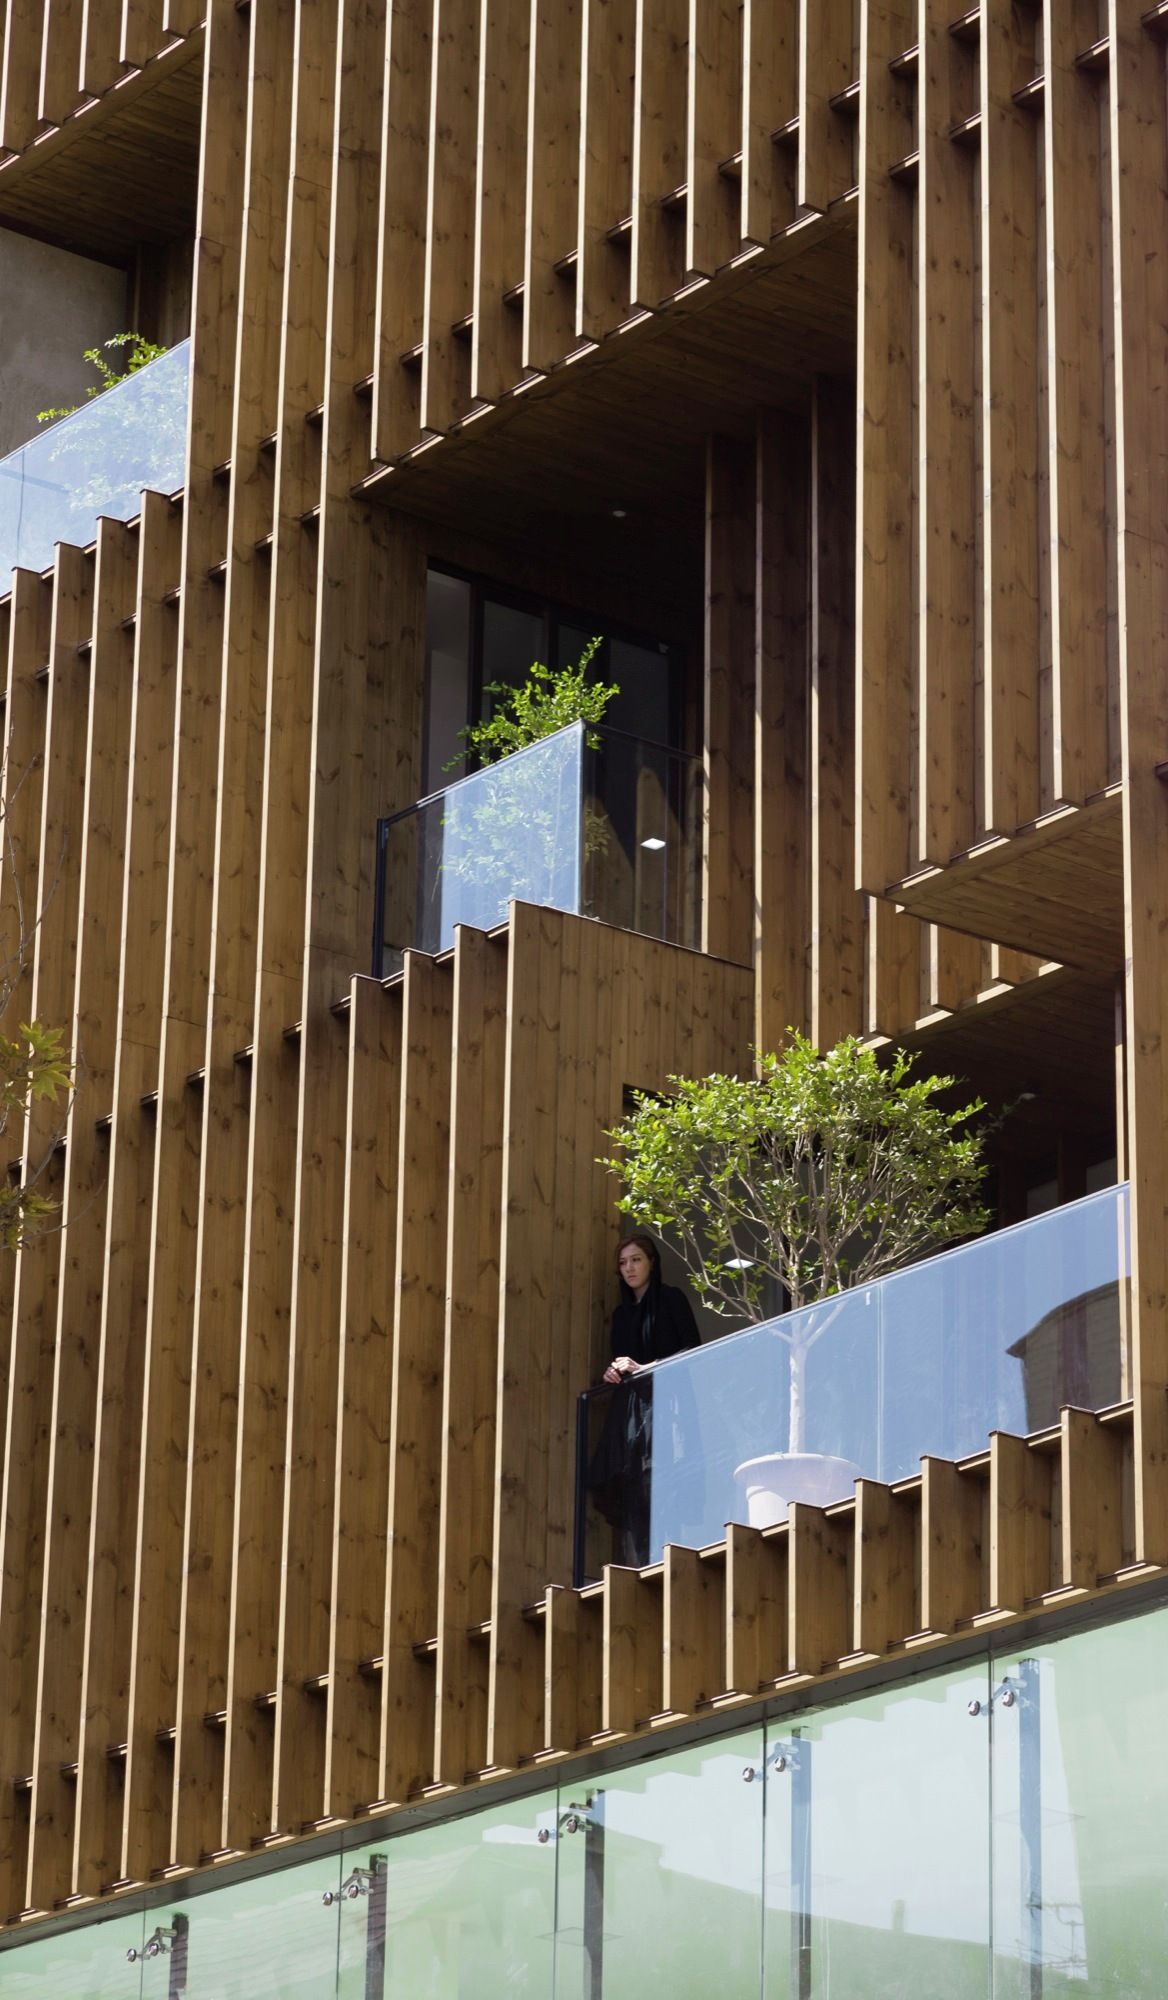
511	830
1002	1332
91	1963
995	1335
587	821
275	1936
471	1907
97	461
877	1845
641	842
660	1878
1080	1815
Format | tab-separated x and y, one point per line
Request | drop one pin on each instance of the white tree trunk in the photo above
796	1435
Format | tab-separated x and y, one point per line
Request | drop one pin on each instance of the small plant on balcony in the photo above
549	699
109	451
516	832
814	1175
140	353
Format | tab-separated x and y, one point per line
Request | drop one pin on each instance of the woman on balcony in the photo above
652	1322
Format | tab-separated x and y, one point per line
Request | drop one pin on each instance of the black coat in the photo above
647	1422
654	1326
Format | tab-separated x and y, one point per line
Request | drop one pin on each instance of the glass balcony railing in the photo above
996	1335
97	461
590	820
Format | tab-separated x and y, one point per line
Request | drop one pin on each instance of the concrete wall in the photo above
53	305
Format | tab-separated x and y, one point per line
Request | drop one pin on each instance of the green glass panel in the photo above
660	1878
273	1937
471	1907
92	1963
877	1846
1080	1831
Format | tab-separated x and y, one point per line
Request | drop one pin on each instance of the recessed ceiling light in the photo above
619	513
653	844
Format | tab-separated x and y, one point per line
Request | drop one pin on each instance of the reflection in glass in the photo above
273	1937
877	1846
92	1963
471	1906
660	1878
1080	1828
586	821
996	1335
97	461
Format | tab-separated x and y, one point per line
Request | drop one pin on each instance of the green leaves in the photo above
34	1064
141	353
816	1174
547	700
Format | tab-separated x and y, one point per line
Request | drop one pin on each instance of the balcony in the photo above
996	1335
590	821
97	461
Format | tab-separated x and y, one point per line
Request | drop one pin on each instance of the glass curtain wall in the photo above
997	1830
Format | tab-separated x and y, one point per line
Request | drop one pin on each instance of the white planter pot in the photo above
768	1485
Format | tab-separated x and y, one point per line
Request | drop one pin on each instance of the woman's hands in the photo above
622	1366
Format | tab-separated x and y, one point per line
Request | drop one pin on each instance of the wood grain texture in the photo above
578	299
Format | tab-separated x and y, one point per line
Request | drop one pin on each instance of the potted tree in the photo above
815	1175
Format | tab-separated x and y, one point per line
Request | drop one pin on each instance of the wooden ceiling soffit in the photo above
121	170
636	409
1054	889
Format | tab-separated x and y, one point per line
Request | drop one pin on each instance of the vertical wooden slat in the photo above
951	1545
770	97
160	1470
885	1603
401	241
529	1313
553	171
825	69
692	1631
1010	789
101	36
782	777
606	164
1075	428
60	80
20	68
631	1688
713	134
1091	1468
450	211
1138	169
141	31
884	623
819	1589
728	835
29	1337
93	847
53	906
471	1339
363	1396
124	1281
657	251
499	235
836	957
946	459
204	1611
411	1607
756	1608
1020	1523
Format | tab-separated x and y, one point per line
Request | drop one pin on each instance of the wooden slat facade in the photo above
826	340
